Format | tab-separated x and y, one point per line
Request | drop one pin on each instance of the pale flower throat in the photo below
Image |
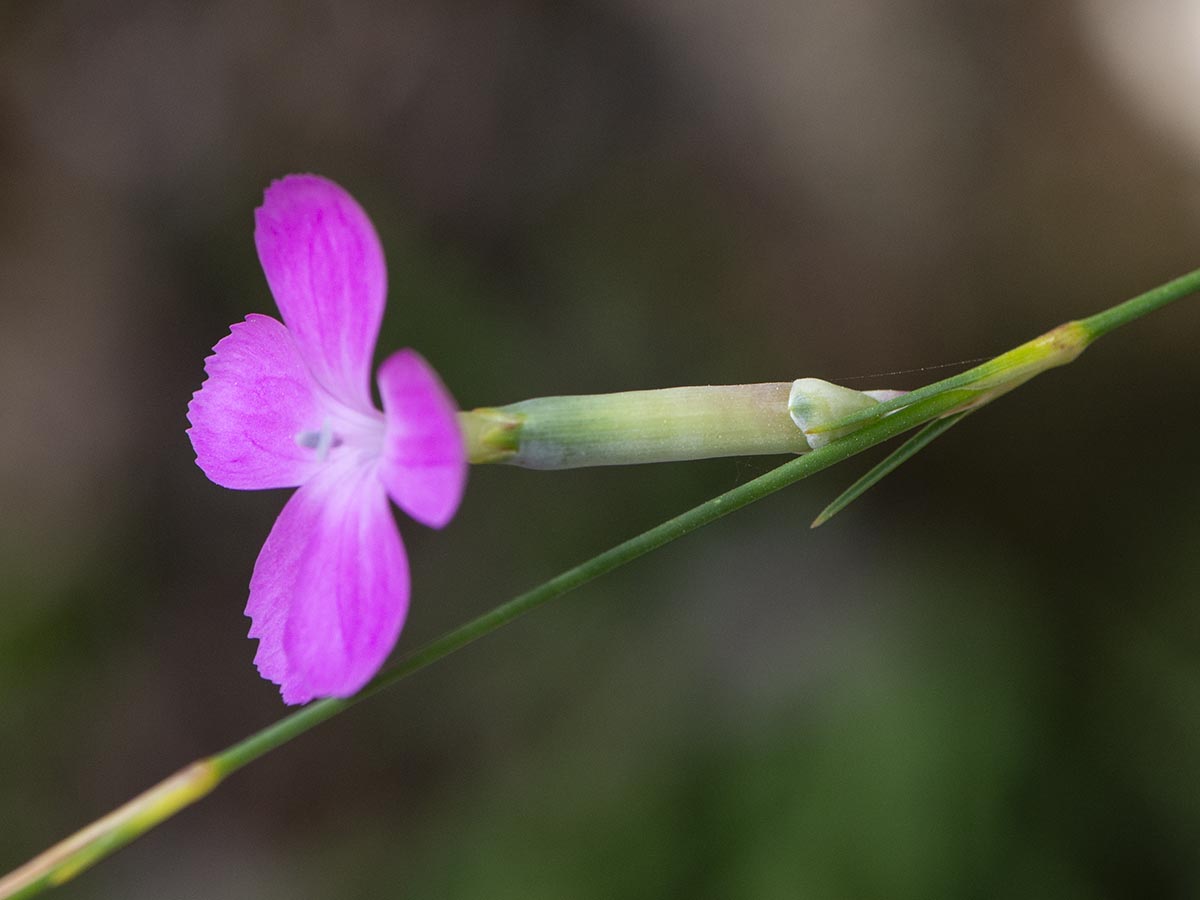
322	441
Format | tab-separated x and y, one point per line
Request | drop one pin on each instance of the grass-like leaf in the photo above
906	451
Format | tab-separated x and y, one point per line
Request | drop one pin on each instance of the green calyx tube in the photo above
652	426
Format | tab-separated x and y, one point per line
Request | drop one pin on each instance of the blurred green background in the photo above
983	680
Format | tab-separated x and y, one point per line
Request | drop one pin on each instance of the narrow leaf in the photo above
906	451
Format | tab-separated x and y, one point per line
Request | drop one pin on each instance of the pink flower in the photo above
289	405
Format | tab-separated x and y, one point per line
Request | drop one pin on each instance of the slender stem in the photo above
1123	313
83	849
1056	347
67	859
297	723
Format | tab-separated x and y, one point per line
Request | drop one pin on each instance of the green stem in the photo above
1056	347
72	856
297	723
1123	313
83	849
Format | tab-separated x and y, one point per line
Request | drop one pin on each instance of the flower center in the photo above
322	441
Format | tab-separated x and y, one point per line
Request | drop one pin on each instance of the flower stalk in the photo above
497	434
117	829
68	858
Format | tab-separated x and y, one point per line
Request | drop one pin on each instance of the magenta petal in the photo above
330	589
424	461
258	396
325	266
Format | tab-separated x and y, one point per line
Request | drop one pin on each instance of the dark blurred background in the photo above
983	680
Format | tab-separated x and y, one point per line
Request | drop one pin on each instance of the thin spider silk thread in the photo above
949	365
